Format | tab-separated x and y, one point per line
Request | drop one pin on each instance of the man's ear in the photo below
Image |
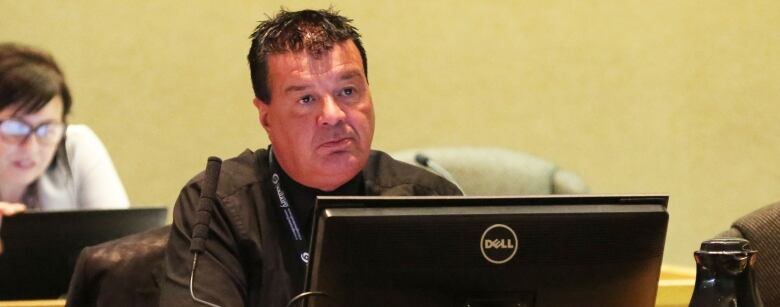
262	110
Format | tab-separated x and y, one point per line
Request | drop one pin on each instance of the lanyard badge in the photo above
289	216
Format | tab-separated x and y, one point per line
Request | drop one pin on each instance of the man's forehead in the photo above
342	56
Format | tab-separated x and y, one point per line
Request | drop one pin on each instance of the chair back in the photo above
495	171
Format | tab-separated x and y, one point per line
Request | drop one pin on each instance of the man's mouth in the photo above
337	143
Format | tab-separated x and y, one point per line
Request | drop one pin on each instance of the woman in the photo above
44	163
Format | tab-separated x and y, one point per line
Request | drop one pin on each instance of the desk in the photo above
674	290
34	303
675	287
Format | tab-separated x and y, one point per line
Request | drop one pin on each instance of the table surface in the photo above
34	303
674	290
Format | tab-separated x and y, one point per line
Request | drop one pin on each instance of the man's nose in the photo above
332	113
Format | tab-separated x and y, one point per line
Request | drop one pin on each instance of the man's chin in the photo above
345	168
339	159
339	170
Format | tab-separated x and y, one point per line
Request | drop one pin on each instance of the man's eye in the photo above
306	99
347	91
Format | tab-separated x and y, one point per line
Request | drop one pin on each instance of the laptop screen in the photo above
40	248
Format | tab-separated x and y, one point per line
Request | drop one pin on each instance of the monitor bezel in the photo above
536	203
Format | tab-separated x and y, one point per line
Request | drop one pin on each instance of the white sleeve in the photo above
96	181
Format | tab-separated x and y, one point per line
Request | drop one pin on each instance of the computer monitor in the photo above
486	251
40	248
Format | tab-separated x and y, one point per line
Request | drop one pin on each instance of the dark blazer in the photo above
762	229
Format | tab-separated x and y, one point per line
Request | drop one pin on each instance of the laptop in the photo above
40	248
534	251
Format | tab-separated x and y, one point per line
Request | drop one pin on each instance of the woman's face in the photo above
23	161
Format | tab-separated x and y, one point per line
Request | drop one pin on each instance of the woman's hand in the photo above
8	209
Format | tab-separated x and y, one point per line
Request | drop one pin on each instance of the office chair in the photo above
123	272
762	229
494	171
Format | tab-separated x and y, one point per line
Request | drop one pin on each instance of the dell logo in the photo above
498	244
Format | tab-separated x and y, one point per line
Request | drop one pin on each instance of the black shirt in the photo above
301	200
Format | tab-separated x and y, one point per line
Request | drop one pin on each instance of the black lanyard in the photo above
301	243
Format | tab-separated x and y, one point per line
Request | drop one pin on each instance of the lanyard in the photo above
300	241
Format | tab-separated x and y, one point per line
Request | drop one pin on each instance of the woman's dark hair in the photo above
29	79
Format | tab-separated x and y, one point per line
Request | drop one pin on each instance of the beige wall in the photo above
672	97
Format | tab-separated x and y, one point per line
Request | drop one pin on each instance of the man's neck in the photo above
352	187
302	198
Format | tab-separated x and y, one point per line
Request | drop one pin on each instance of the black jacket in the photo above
247	254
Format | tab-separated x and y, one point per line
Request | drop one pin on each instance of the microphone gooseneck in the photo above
426	161
305	295
422	159
200	231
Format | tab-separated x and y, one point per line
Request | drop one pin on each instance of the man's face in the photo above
320	119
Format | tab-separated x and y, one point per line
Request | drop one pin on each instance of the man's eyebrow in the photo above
347	75
296	88
351	74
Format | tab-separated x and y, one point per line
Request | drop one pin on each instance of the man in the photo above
308	72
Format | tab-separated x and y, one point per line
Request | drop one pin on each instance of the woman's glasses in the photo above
15	131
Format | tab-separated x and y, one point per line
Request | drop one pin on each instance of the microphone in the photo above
200	231
424	160
208	198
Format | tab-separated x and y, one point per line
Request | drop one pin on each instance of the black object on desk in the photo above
40	248
724	274
486	251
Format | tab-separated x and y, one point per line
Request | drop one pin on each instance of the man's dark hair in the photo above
29	79
312	31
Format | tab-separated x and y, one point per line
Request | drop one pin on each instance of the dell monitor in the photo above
41	248
536	251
